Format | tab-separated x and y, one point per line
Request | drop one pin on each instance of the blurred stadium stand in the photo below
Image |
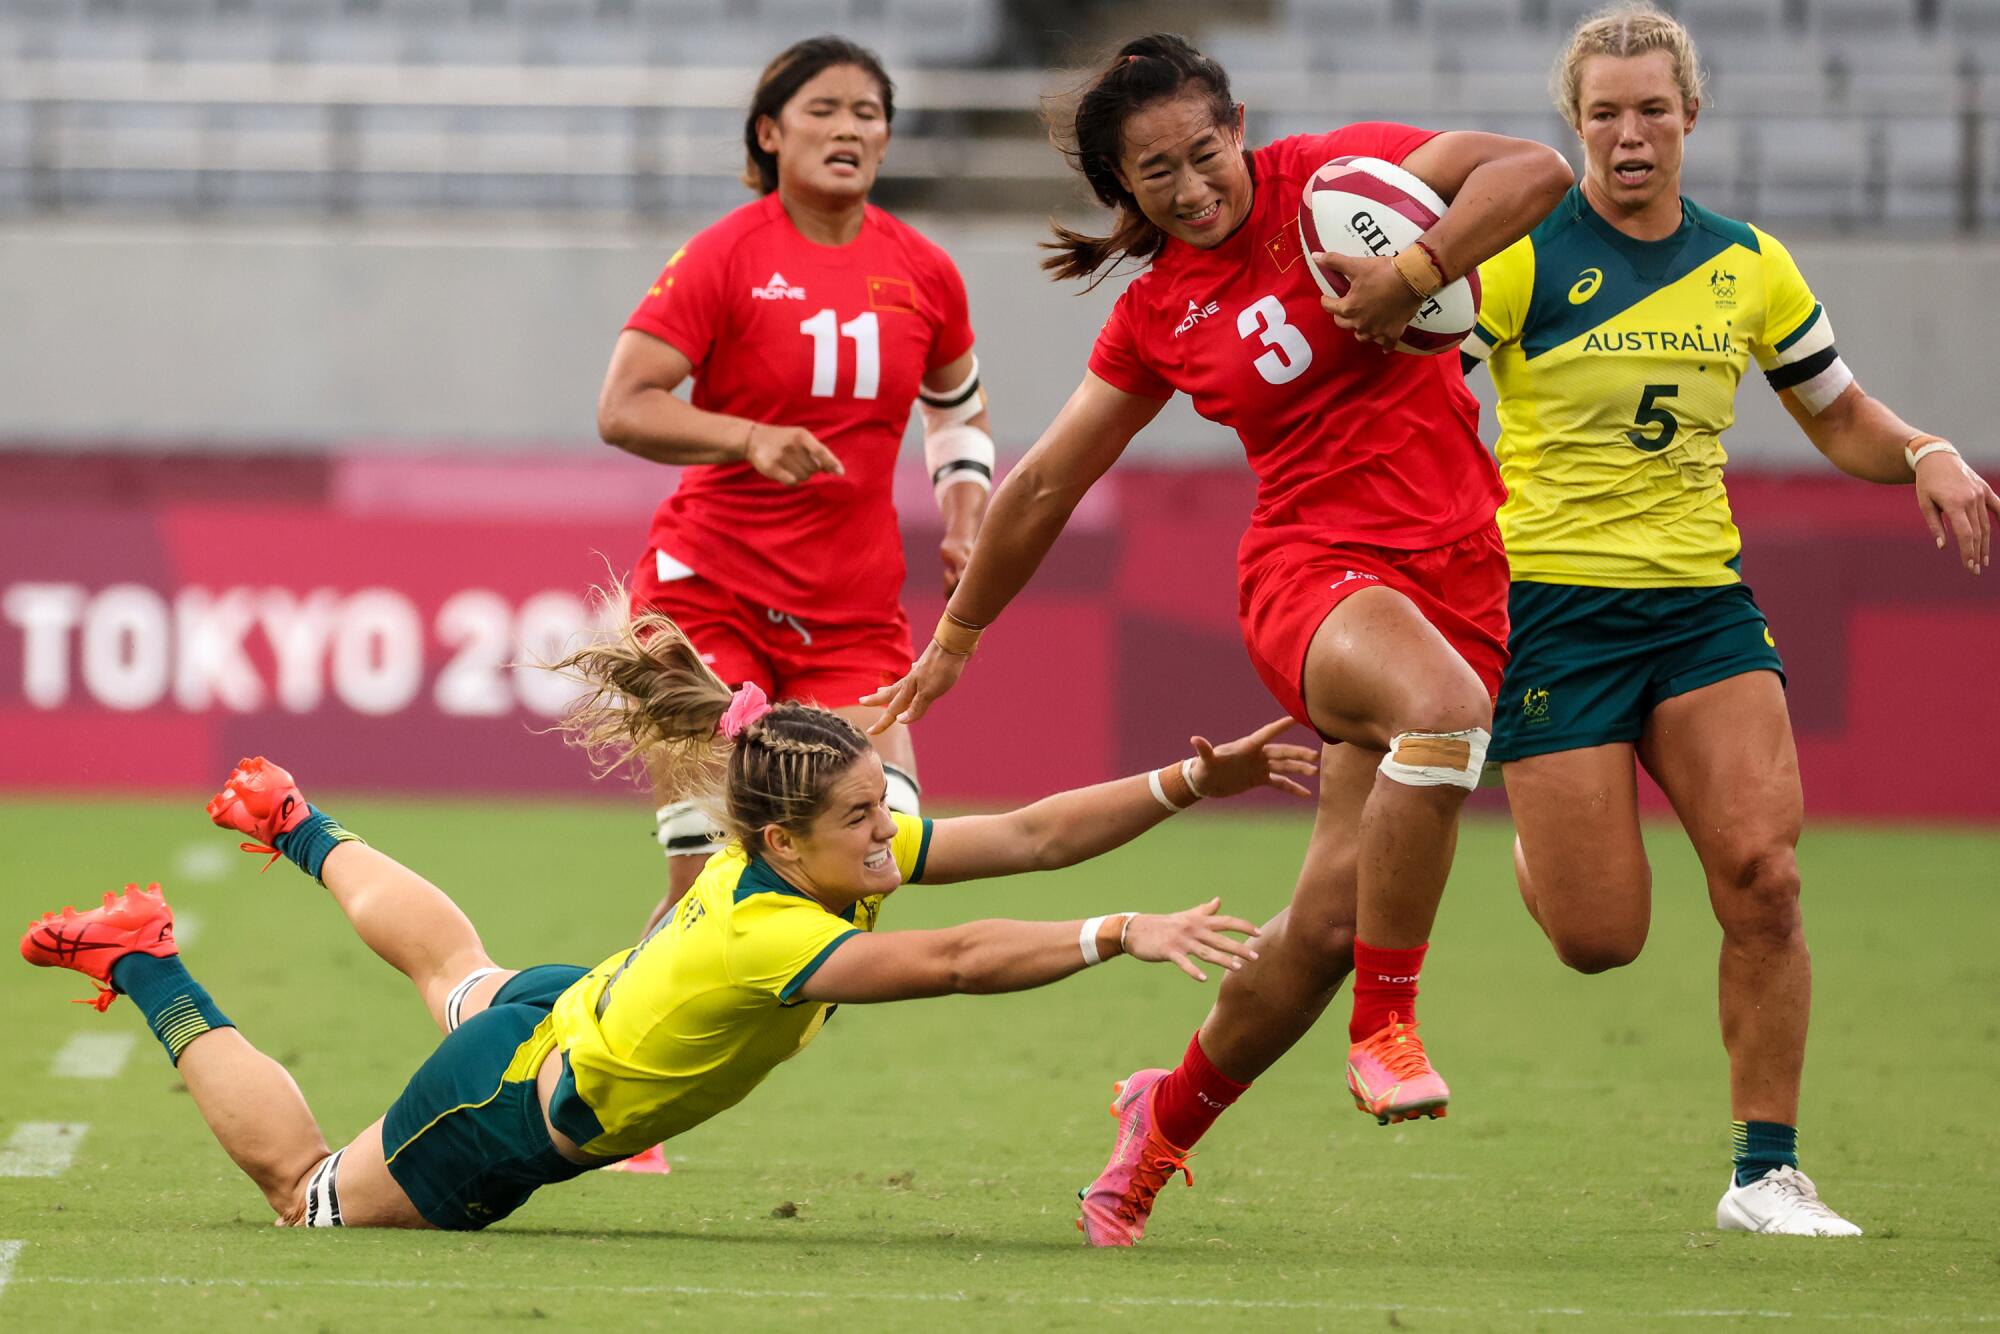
1887	113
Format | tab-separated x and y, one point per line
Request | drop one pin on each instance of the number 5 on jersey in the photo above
826	337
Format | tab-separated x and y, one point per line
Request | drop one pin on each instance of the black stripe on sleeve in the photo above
1784	377
940	401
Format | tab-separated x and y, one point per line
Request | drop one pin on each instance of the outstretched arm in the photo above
1001	955
1086	822
1027	515
1864	438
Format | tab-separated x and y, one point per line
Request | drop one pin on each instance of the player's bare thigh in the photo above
1579	853
1377	667
1726	757
369	1195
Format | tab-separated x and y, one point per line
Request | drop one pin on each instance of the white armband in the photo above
951	407
954	449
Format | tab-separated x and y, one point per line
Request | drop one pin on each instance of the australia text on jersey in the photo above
1659	340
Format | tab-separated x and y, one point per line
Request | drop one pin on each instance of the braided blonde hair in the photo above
1625	30
650	701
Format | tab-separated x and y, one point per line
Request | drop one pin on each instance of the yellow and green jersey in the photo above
1617	362
660	1037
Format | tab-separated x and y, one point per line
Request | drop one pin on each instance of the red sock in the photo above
1186	1102
1385	983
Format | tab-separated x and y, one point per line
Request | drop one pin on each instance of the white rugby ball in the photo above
1363	206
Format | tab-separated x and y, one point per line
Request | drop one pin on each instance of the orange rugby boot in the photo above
1117	1204
261	800
647	1162
1391	1078
137	921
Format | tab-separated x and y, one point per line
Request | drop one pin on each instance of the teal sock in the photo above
315	836
176	1007
1762	1147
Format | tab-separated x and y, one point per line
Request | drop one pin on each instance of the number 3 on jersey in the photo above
1289	353
826	352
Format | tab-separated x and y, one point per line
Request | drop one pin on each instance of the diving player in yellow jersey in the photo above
1616	333
548	1072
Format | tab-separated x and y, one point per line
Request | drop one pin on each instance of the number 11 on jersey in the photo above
826	334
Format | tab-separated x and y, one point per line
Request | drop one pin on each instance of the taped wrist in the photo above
1437	759
958	454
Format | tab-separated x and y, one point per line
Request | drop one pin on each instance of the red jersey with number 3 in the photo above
1349	444
835	339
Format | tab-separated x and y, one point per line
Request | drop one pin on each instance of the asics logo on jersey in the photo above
1586	286
1195	315
776	288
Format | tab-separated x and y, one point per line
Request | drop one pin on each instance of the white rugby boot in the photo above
1783	1203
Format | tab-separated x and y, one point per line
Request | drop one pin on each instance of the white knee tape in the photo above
1437	759
684	830
454	1002
323	1194
904	794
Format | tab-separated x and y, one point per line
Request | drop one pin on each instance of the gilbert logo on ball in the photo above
1362	207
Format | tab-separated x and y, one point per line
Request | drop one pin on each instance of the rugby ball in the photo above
1363	206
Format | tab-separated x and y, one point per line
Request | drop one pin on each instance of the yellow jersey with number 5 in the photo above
1617	362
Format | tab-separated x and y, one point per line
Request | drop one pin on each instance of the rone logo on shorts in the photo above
1535	706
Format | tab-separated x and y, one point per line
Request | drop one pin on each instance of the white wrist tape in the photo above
958	454
1086	940
1160	793
1924	451
1187	776
1437	759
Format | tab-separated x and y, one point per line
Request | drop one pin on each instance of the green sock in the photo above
177	1008
316	836
1762	1147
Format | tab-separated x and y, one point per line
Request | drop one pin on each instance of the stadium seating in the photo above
1877	89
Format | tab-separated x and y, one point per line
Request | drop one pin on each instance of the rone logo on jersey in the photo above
777	289
1195	315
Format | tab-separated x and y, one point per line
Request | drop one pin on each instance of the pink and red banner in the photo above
372	621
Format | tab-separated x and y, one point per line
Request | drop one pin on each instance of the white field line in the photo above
41	1148
94	1056
187	926
203	862
9	1252
1023	1299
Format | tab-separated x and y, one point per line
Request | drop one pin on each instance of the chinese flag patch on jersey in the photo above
892	294
1284	248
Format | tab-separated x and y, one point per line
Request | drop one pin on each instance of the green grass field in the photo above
916	1168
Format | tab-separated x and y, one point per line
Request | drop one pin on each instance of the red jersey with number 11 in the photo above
835	339
1349	444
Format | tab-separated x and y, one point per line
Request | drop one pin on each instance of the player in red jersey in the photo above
1372	583
811	321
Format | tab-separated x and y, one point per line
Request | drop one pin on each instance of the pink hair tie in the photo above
746	706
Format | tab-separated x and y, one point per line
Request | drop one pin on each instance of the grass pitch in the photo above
915	1168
